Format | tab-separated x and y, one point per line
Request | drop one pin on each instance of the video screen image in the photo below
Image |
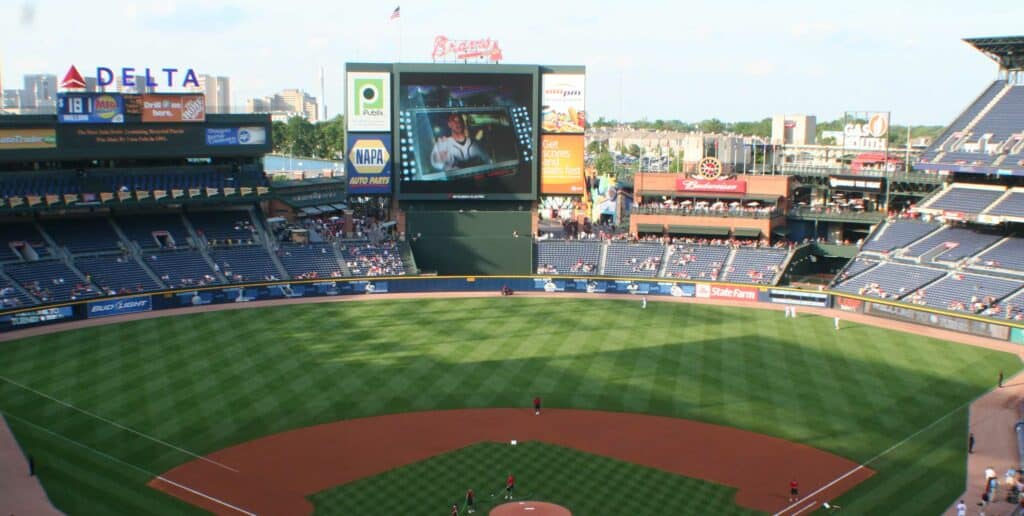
465	133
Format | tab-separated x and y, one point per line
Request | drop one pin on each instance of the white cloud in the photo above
759	68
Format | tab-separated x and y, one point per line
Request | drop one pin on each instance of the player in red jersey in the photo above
794	490
470	502
510	484
536	405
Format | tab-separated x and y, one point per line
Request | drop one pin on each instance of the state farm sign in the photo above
706	291
704	185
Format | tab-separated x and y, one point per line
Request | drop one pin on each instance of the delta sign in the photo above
369	163
134	77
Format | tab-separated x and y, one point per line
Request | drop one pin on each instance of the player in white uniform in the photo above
455	151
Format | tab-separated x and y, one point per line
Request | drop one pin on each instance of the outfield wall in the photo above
732	292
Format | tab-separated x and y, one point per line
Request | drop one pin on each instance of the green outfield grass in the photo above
207	381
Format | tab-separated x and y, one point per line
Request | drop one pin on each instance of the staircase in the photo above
727	264
17	286
604	257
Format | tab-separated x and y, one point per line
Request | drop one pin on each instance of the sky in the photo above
733	60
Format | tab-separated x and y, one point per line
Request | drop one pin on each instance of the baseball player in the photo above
510	484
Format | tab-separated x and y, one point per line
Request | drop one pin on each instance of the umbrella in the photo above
753	203
702	203
687	203
734	203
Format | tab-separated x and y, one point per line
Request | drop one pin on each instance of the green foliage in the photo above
299	137
605	163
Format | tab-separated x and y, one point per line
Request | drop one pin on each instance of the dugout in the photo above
460	238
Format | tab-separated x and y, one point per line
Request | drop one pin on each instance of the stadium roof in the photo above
1007	51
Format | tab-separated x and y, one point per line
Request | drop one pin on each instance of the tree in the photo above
604	163
712	125
634	150
597	146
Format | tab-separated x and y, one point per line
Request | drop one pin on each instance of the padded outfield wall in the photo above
738	294
471	241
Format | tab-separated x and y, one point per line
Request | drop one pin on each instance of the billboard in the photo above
34	317
562	103
90	108
866	130
128	305
467	135
174	108
236	136
711	291
368	101
30	138
561	165
368	166
727	186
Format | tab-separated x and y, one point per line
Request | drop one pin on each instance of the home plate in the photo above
531	507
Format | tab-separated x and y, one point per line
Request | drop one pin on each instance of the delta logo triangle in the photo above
72	80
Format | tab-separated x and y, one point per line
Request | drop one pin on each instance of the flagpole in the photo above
399	38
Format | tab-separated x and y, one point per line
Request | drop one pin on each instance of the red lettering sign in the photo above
464	49
685	184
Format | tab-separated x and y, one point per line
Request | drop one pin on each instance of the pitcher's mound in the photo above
529	509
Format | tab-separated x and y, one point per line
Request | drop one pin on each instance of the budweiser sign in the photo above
704	185
485	49
706	291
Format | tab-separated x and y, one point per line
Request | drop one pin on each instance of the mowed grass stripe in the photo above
206	381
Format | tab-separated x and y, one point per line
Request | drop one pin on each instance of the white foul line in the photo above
872	459
118	425
133	466
193	491
808	506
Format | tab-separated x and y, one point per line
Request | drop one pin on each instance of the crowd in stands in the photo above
719	208
369	259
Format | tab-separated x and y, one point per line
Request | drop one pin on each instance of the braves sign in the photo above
703	185
485	50
706	291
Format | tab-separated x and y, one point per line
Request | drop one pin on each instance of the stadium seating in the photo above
753	265
857	266
50	281
116	274
889	280
181	269
1007	255
896	234
1005	118
143	228
11	232
86	235
696	261
367	259
241	264
968	114
958	242
577	257
11	297
310	261
639	260
965	200
219	227
1011	206
960	292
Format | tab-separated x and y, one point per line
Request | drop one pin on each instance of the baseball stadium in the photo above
473	320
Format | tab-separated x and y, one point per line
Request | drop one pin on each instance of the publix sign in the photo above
369	163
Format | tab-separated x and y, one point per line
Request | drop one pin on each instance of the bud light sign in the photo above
127	305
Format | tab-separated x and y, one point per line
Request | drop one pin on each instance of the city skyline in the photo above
653	61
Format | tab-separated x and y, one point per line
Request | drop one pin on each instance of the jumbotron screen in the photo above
466	135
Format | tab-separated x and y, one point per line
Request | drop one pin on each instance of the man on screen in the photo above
458	150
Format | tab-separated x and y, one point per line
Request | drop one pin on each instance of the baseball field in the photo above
104	410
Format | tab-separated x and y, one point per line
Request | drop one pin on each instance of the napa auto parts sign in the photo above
706	291
485	50
704	185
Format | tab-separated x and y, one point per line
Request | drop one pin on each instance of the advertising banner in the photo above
17	139
728	186
708	291
849	305
855	183
236	136
127	305
561	165
562	103
368	101
173	108
866	131
946	322
368	166
90	108
34	317
792	297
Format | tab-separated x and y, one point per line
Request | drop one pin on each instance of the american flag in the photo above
397	13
